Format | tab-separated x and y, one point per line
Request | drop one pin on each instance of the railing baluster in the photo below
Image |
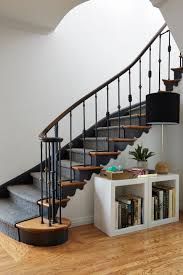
107	116
96	121
46	170
140	89
55	158
159	61
70	147
119	110
169	54
49	186
41	169
130	96
60	186
180	56
53	183
150	70
84	133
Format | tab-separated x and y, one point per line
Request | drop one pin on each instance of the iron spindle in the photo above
130	96
119	109
150	71
41	169
70	147
180	56
169	54
53	183
55	158
60	186
84	132
96	121
46	170
140	89
107	116
159	61
49	183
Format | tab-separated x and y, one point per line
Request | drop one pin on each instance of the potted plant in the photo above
141	155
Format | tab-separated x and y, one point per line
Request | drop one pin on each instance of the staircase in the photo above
31	204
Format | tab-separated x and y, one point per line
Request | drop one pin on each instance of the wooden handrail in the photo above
105	84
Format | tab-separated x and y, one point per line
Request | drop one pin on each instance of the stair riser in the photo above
177	75
114	133
65	172
84	175
126	121
31	207
9	230
78	157
102	160
101	145
137	111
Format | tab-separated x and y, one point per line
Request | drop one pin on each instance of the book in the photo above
160	194
156	214
116	214
152	208
124	215
119	216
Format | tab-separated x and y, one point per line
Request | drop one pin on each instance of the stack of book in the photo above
129	211
163	202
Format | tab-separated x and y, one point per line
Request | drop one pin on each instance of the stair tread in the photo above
34	225
57	202
87	168
177	69
171	80
103	153
11	213
125	126
28	192
122	139
128	116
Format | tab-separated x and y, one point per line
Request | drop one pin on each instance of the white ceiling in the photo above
43	15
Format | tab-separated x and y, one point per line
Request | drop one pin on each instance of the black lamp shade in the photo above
163	108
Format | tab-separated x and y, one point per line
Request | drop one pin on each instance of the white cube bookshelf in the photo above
106	191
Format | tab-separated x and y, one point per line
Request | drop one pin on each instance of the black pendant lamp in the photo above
162	108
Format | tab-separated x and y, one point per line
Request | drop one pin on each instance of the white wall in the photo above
172	12
43	75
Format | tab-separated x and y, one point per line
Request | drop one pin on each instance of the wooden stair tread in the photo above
104	153
34	225
171	80
122	139
136	127
72	184
46	203
179	69
86	168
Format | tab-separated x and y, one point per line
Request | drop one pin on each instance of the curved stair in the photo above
29	212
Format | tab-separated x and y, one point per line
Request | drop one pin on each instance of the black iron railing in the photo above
52	159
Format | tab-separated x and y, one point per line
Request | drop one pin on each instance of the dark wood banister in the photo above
105	84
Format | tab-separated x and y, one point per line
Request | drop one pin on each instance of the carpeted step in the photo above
10	214
65	168
114	132
26	196
125	120
78	155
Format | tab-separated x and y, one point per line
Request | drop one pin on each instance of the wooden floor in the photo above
89	251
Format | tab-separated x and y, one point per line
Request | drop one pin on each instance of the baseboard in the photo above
82	221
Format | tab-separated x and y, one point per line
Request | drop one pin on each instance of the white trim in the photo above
82	221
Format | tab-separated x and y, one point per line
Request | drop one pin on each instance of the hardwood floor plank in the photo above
89	251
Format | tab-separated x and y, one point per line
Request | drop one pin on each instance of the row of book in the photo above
129	211
163	202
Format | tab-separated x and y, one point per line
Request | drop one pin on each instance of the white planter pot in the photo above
142	164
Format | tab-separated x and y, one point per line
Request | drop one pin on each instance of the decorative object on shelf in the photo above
162	108
119	175
162	168
141	155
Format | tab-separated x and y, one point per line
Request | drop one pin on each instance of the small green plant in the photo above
141	154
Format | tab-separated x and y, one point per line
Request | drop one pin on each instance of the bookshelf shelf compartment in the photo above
107	192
